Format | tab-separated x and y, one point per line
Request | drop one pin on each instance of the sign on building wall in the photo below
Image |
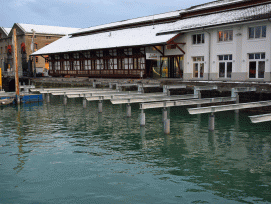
152	56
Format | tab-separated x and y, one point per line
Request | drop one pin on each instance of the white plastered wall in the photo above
239	48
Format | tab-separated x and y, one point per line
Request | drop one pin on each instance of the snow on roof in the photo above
131	21
213	4
7	30
45	29
252	13
120	38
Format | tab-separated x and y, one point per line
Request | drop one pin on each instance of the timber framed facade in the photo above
121	62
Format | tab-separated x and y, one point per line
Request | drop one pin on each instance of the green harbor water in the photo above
50	153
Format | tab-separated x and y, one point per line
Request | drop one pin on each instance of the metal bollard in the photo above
100	107
167	126
129	114
142	118
212	122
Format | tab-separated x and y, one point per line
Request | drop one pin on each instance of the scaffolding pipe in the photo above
48	98
142	118
100	106
129	112
167	126
212	122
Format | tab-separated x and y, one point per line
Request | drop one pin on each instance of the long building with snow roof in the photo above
227	40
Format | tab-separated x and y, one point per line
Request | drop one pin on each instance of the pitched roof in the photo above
5	30
120	38
45	29
131	21
227	17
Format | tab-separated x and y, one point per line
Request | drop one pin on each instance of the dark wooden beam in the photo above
174	43
158	50
82	55
172	39
180	49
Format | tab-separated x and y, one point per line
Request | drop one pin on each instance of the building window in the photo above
111	63
46	59
198	39
57	65
225	66
48	37
128	51
198	67
37	59
257	32
36	45
99	64
76	65
66	65
256	65
99	53
87	64
66	56
113	52
86	54
225	35
76	55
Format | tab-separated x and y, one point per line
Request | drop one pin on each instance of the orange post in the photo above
0	79
16	66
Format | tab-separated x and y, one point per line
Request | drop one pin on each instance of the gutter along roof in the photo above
214	4
221	18
121	38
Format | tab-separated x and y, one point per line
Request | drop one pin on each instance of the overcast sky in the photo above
84	13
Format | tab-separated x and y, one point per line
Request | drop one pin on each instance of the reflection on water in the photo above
50	153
